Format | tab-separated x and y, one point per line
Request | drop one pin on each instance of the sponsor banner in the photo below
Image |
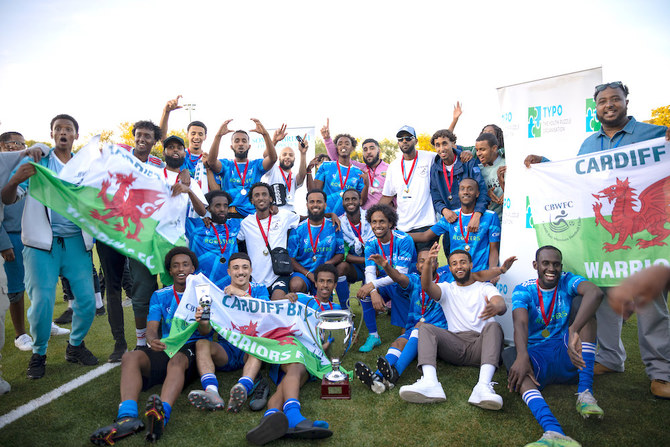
542	117
609	211
273	331
119	200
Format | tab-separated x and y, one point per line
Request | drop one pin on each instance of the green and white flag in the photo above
608	212
273	331
118	199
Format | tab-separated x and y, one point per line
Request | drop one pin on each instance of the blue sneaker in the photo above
372	342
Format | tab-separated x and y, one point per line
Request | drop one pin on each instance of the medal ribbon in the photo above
423	297
371	175
223	249
176	297
358	231
260	227
321	307
381	248
342	185
287	180
315	243
449	180
166	177
545	317
411	171
190	157
243	177
466	237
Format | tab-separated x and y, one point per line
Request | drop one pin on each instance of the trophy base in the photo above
335	390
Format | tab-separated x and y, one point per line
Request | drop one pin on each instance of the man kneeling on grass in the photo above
283	417
142	369
555	329
471	339
220	355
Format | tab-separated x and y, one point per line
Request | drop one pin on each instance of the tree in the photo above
423	143
660	116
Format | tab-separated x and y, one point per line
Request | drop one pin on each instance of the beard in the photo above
373	162
464	279
316	216
174	163
286	165
241	155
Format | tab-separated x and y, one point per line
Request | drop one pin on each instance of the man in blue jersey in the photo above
335	177
618	129
215	244
220	355
483	245
238	175
316	241
283	417
423	310
355	231
398	249
142	369
550	348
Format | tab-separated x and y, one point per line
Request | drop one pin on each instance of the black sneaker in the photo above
121	428
79	354
388	371
369	378
259	396
65	317
155	418
37	366
120	347
100	311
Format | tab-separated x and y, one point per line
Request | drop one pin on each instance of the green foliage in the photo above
34	142
319	147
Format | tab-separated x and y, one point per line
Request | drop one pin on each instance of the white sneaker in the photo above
57	330
485	397
24	342
423	392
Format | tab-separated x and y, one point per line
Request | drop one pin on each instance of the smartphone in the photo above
299	138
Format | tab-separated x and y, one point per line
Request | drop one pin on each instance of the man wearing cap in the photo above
619	129
408	179
238	175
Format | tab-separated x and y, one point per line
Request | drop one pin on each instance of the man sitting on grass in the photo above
142	369
283	417
562	350
222	356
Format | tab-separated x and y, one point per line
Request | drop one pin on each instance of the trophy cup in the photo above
204	299
337	326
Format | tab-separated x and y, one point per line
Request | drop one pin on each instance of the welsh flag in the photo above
608	212
121	201
273	331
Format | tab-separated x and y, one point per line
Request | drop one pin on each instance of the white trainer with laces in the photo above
423	392
24	342
57	330
484	396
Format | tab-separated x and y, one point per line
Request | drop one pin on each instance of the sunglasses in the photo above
401	139
617	84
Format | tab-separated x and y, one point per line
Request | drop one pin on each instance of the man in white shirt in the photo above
408	180
471	339
281	177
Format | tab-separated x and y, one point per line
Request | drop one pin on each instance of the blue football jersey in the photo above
231	181
207	248
403	257
422	306
328	241
162	308
334	176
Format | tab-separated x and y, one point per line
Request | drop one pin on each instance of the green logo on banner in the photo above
592	123
534	122
529	216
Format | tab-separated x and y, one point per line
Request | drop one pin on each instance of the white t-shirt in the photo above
463	305
261	265
415	208
274	176
350	235
171	179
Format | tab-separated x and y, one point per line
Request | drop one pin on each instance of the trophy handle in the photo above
354	338
313	332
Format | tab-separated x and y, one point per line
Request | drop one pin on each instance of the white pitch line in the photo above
34	404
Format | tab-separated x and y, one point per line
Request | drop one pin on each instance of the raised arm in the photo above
427	284
213	155
171	105
271	157
330	146
487	275
458	111
302	170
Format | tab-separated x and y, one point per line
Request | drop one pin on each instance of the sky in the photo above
369	66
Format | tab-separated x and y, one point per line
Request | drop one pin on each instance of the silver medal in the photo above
243	192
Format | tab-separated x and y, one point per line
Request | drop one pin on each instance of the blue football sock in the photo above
127	408
408	353
167	410
292	412
541	411
392	355
247	382
209	380
270	411
342	289
586	373
369	315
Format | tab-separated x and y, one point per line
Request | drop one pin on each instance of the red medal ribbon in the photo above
545	317
166	177
423	298
287	180
381	248
466	237
449	180
260	227
197	158
358	231
243	178
223	249
249	290
411	171
371	175
176	297
315	242
321	307
342	185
